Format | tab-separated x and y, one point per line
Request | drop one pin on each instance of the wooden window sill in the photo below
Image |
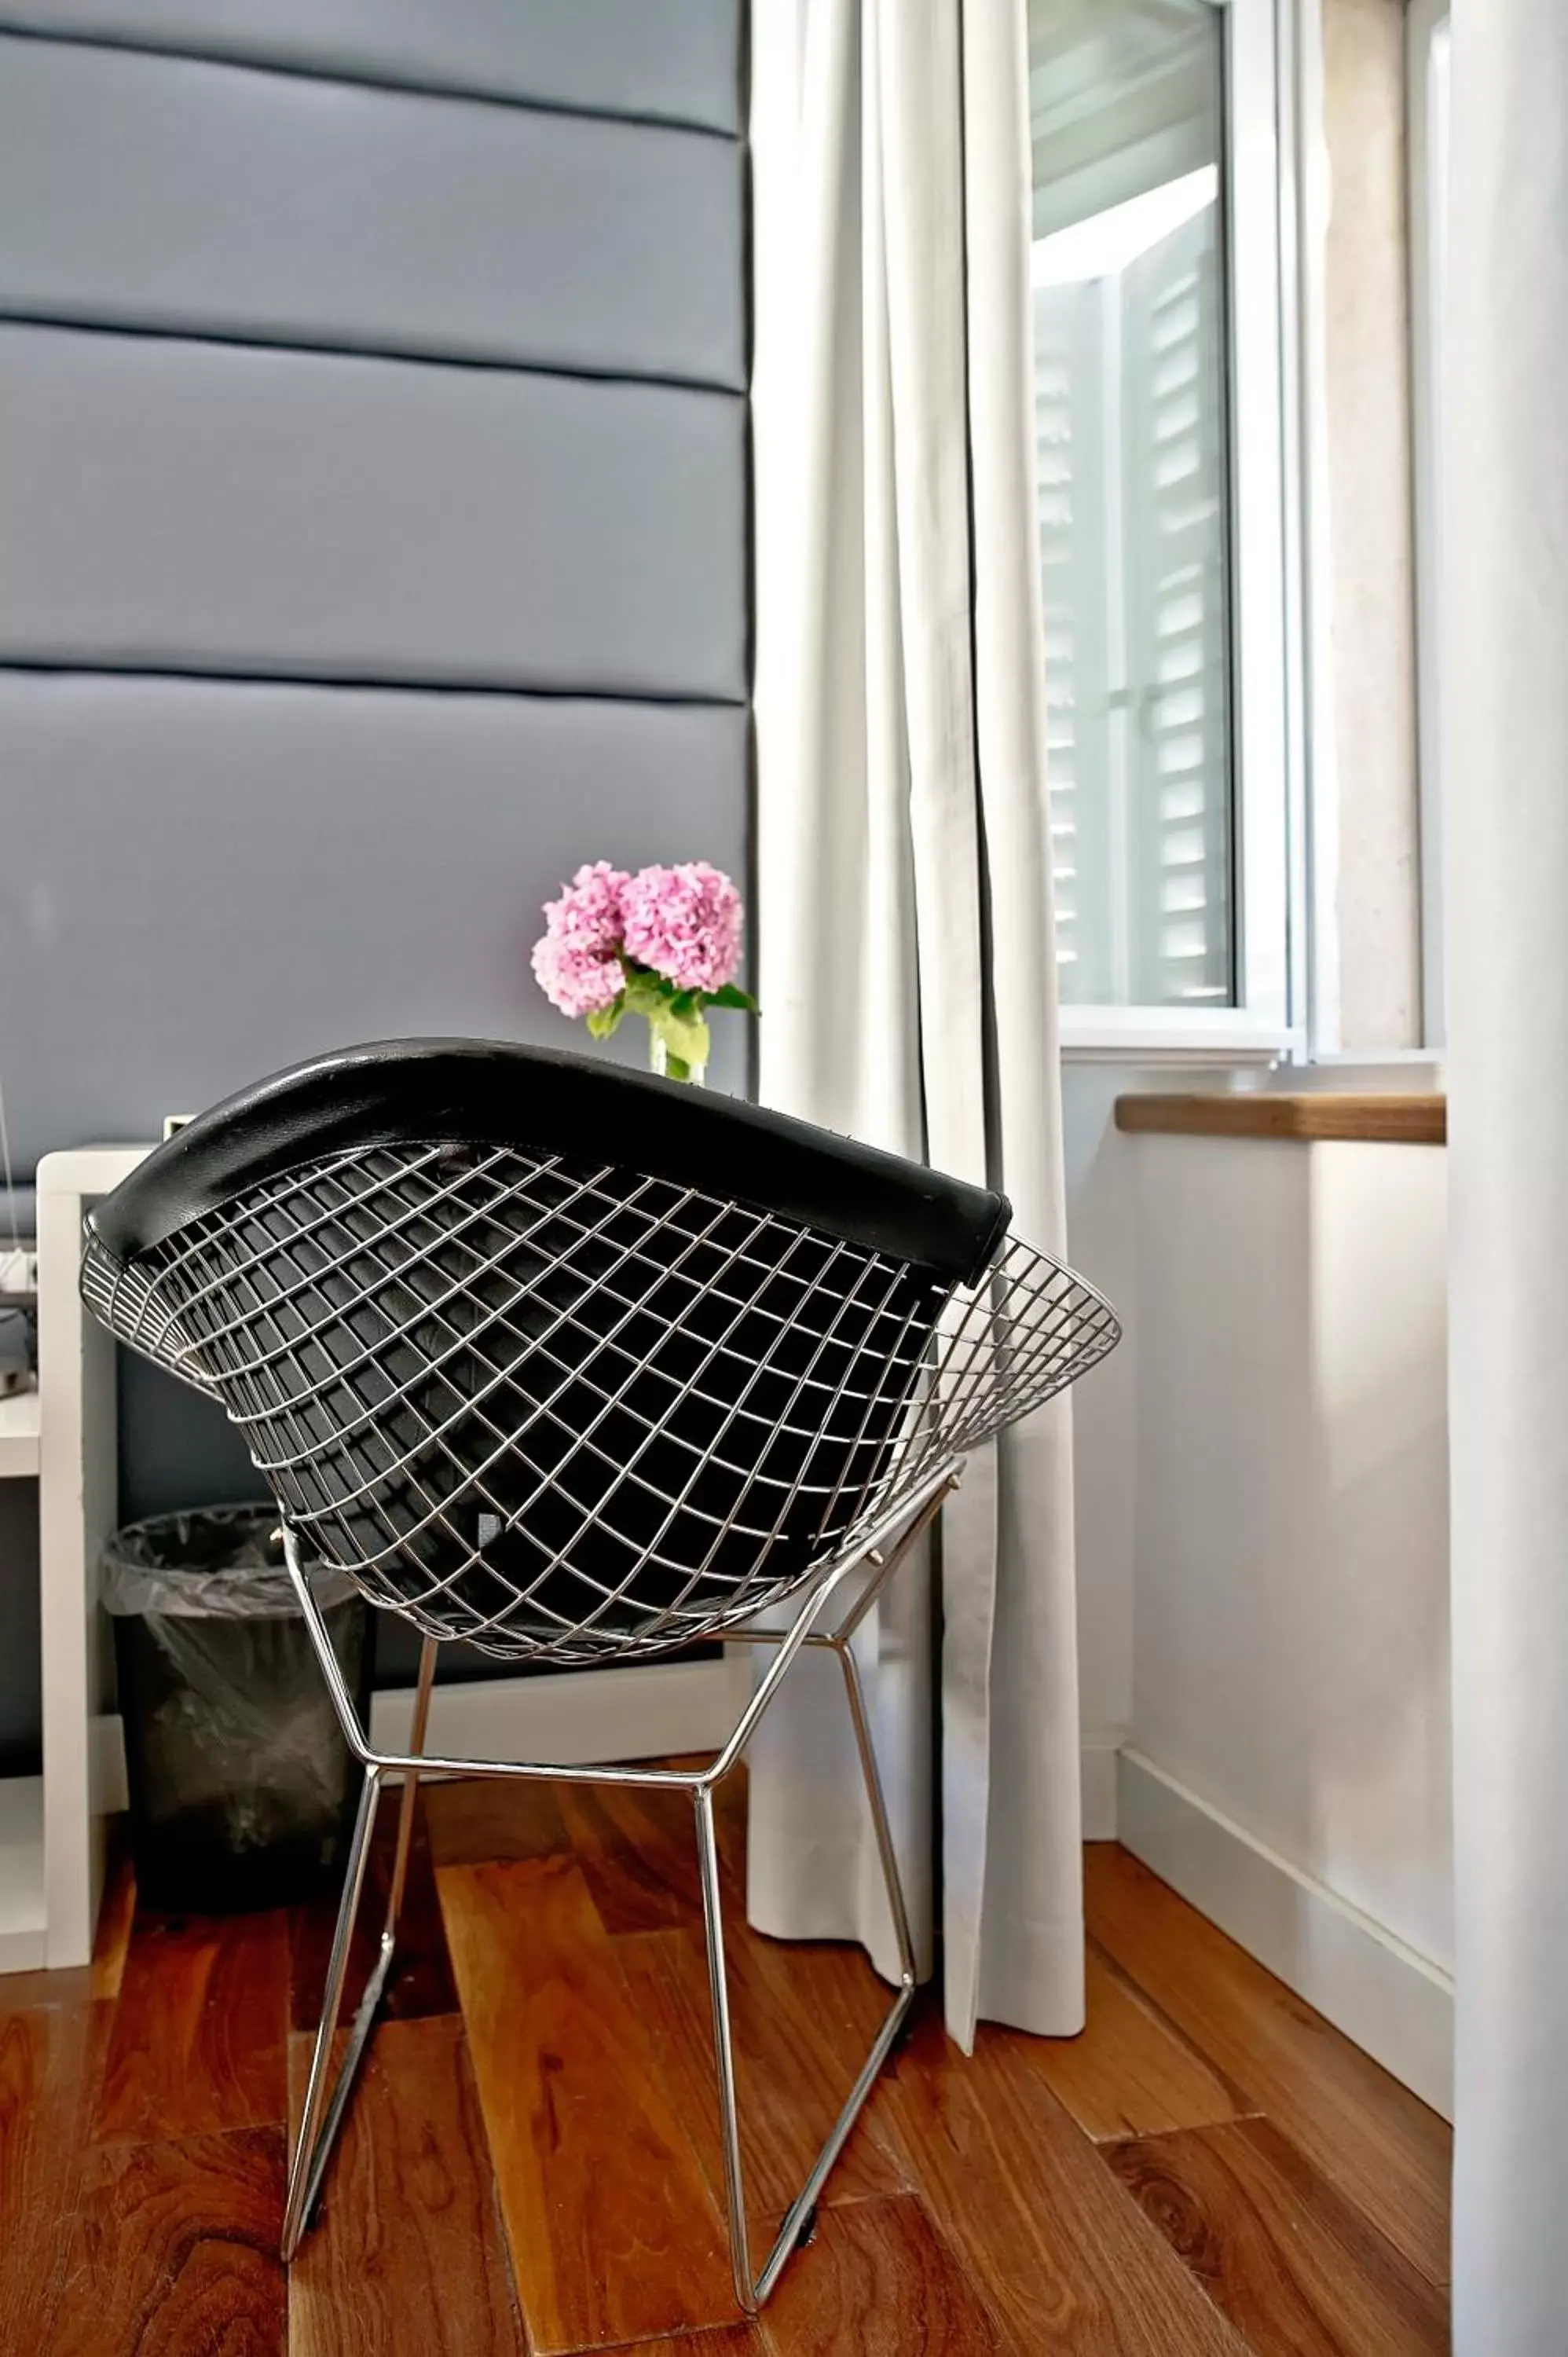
1386	1120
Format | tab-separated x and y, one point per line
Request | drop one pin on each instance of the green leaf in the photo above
741	1000
674	1069
602	1023
645	992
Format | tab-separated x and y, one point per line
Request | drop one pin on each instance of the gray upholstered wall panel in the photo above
212	880
676	61
178	505
158	192
201	879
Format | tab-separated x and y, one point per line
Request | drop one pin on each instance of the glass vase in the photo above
670	1068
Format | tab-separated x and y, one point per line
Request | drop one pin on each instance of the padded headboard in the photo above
372	518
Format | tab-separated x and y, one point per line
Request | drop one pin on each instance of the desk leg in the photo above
78	1486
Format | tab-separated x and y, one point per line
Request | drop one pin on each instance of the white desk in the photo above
21	1797
52	1828
84	1777
18	1434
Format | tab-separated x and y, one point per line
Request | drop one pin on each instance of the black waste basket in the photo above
242	1789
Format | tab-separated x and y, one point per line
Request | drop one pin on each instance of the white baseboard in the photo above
572	1717
1097	1772
1390	2001
567	1718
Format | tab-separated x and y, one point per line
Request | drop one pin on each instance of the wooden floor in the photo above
532	2166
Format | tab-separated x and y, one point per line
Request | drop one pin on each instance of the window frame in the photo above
1257	198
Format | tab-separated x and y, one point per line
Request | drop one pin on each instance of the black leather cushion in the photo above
541	1422
492	1093
544	1409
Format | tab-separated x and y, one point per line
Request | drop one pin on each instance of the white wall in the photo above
1262	1526
1289	1760
1368	563
1100	1241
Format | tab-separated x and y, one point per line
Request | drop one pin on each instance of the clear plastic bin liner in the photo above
219	1564
238	1765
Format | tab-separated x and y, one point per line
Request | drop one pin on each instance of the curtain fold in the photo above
907	960
1506	770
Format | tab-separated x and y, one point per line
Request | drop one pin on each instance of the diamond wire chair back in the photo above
579	1368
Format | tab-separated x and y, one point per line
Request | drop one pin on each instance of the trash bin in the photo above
242	1789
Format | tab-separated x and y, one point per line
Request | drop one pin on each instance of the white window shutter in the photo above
1177	626
1070	439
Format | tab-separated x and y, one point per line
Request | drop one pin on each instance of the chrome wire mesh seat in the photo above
581	1367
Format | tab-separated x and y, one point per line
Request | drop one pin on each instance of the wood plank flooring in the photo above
531	2164
409	2251
1364	2133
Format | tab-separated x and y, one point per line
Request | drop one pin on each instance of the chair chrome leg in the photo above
724	2049
410	1786
324	2113
315	2132
881	1824
751	2294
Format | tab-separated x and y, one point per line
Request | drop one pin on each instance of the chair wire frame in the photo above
577	1416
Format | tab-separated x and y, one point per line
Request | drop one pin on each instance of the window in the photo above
1155	222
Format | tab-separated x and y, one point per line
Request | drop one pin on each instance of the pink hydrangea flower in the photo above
589	916
573	980
574	962
685	922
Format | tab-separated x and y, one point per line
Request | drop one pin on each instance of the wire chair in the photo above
582	1367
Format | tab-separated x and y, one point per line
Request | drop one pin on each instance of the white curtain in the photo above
906	961
1505	891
